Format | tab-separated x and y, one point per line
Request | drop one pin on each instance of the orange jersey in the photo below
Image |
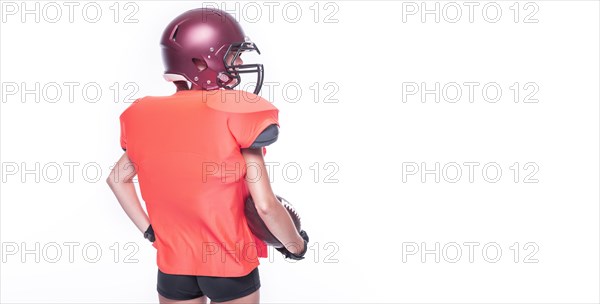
186	149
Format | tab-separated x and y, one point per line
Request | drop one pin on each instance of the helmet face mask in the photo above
214	39
233	71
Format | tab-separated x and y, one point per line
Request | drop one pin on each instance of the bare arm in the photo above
120	182
270	210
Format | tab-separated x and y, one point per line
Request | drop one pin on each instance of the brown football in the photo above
258	227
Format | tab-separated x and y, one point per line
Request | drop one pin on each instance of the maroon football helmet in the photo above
207	36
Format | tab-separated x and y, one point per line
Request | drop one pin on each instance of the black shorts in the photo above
218	289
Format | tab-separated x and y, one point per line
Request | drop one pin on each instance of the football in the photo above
258	227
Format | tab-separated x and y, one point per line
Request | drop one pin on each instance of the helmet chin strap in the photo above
181	85
232	82
225	79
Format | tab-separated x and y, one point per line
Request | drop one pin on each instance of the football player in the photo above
198	154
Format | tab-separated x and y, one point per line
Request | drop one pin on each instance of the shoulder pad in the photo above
235	101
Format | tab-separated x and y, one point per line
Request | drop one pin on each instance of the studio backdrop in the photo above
438	152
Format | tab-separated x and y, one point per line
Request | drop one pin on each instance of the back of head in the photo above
206	37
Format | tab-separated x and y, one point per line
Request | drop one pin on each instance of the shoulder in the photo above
235	101
133	105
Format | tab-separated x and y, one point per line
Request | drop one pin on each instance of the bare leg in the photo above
200	300
253	298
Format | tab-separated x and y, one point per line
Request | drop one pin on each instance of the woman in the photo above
198	154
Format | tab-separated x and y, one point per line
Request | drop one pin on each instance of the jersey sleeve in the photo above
268	136
248	122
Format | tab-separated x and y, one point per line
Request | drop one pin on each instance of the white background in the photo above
363	211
